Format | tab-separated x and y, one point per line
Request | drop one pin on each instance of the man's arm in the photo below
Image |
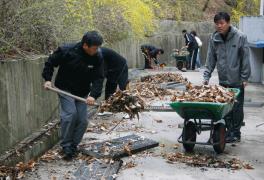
123	78
54	60
210	62
245	64
153	56
97	84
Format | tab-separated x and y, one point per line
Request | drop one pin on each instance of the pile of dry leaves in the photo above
164	78
18	171
181	52
199	160
205	93
149	90
123	101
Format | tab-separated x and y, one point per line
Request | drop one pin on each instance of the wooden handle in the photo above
54	89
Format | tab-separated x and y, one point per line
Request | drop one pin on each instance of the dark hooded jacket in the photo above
78	73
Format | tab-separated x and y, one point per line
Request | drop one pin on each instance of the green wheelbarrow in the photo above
203	116
181	60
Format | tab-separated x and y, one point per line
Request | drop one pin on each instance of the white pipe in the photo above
261	11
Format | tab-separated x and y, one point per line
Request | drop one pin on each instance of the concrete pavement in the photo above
151	164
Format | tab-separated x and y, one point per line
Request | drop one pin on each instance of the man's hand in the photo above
245	83
47	84
205	82
90	100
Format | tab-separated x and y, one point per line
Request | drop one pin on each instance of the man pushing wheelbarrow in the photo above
233	67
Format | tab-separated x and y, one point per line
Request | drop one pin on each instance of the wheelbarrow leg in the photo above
188	135
210	140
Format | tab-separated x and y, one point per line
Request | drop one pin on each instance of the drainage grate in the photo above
115	148
97	170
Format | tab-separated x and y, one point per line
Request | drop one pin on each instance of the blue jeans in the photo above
74	121
198	61
192	58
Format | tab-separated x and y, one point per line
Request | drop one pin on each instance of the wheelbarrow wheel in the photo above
219	137
189	134
179	65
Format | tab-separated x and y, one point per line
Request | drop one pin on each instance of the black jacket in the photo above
190	41
78	73
115	65
148	47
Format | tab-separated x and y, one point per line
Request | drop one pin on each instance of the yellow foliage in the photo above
245	8
138	14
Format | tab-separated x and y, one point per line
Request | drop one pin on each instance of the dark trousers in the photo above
147	64
74	121
192	58
235	118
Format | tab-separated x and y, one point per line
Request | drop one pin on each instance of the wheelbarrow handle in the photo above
54	89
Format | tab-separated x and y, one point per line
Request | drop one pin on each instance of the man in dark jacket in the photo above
80	73
116	71
151	53
154	54
228	50
192	48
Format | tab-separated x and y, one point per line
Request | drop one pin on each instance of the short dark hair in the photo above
222	15
92	38
161	51
194	33
184	31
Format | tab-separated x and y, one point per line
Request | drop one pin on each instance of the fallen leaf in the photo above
162	145
127	150
247	166
158	120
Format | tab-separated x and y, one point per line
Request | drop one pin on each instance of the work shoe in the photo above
68	153
75	151
232	139
67	157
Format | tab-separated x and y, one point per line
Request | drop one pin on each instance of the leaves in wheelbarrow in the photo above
200	160
164	78
205	93
123	101
149	90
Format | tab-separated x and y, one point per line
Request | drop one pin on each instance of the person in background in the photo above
150	54
116	71
154	55
192	48
80	72
228	50
199	43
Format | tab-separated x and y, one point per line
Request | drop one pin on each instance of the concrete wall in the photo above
253	27
24	106
168	37
256	62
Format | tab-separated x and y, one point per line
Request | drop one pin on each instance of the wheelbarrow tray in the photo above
180	57
203	110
